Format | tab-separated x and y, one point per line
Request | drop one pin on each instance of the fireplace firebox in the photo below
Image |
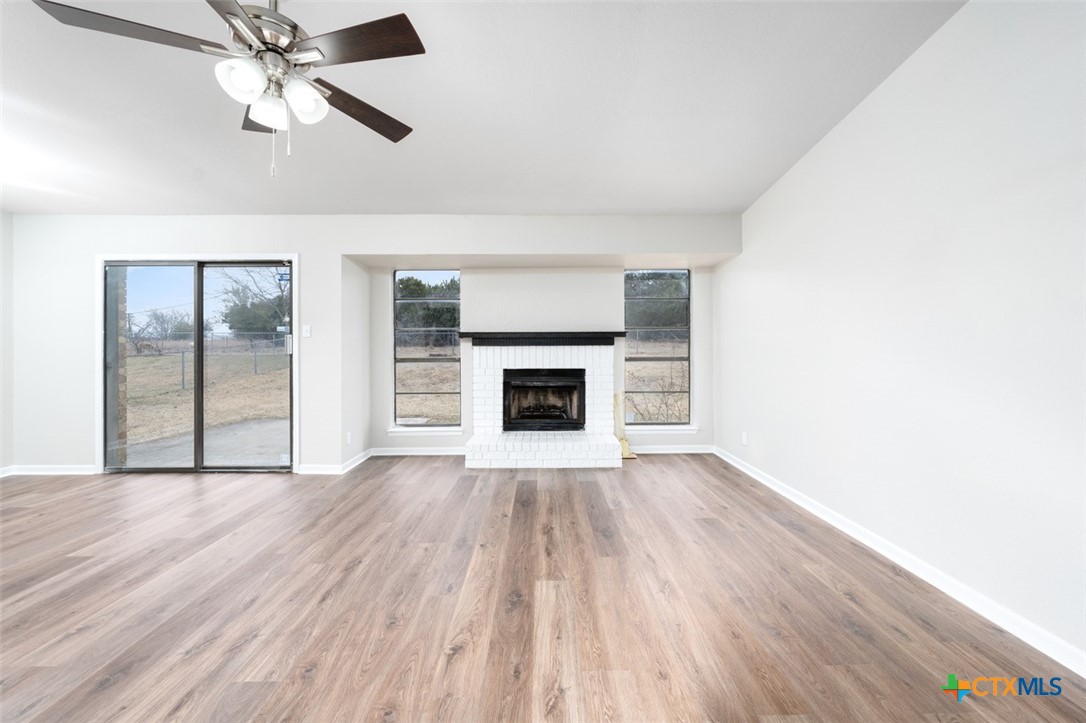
543	399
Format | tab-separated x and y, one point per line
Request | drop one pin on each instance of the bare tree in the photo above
139	335
156	326
263	284
256	302
165	324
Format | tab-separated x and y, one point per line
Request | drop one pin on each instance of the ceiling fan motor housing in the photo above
276	67
278	30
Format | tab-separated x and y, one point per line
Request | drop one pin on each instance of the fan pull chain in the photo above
289	127
273	154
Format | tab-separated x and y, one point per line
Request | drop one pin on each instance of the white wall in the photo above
541	300
356	360
54	317
903	335
7	371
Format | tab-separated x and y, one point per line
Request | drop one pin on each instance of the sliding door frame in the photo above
200	387
198	262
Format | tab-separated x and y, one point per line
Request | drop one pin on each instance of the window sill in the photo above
661	429
424	431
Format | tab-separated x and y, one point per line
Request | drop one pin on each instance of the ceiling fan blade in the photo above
364	113
108	24
250	125
238	20
389	37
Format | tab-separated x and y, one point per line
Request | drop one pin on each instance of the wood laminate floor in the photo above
411	589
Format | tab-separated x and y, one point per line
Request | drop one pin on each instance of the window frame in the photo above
626	359
397	360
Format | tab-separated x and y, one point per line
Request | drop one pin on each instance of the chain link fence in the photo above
244	373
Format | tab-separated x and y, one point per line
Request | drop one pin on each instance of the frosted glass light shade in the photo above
270	111
243	79
308	105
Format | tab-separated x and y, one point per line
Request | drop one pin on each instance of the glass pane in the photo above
657	408
427	409
427	343
658	342
427	327
427	284
247	366
675	284
672	313
149	342
657	376
441	316
428	377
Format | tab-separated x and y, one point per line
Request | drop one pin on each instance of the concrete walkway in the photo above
256	443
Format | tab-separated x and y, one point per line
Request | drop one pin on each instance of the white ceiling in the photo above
517	108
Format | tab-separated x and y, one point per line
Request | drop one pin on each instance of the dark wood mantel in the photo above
542	338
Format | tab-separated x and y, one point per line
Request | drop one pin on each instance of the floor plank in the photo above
411	589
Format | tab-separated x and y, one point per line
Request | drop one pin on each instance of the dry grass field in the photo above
158	408
657	391
430	408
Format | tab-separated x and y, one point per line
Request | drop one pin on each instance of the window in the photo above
427	347
657	347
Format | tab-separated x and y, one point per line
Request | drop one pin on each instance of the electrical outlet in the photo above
306	331
743	438
348	439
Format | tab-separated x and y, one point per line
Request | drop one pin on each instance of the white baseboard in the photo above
49	469
357	460
1026	630
671	448
334	468
415	451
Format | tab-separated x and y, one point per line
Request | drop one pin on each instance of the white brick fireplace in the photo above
492	354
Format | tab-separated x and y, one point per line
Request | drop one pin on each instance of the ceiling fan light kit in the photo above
267	72
266	82
308	105
271	111
243	79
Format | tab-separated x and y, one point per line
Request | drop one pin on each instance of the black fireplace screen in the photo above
543	399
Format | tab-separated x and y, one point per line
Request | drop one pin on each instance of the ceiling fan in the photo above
267	71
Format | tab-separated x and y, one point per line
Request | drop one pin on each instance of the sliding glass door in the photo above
246	354
150	406
197	366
